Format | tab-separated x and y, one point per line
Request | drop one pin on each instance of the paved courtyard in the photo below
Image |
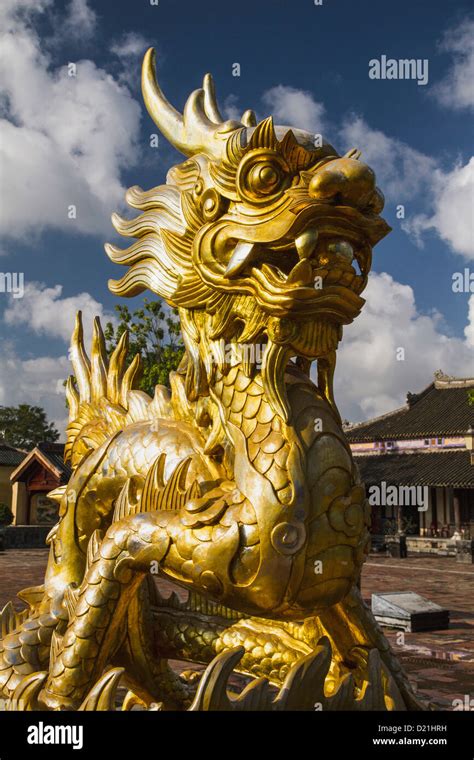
439	663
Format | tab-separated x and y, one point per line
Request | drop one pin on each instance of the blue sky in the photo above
82	140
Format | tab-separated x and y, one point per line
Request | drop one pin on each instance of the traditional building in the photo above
10	458
40	471
428	444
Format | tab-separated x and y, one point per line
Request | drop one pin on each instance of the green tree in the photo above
25	426
6	515
155	334
470	397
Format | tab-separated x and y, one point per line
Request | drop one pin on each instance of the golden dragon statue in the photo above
238	485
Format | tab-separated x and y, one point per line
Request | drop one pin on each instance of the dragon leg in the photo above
147	672
96	634
97	622
270	648
355	632
25	650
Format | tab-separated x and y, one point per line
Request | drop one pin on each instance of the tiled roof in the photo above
436	411
9	456
50	455
437	468
55	453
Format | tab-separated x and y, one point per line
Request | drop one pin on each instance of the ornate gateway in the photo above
238	485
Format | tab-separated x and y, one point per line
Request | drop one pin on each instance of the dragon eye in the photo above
262	176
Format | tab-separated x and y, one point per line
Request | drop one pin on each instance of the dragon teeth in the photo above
301	274
347	278
242	255
306	243
333	277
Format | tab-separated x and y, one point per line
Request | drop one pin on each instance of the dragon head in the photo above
263	235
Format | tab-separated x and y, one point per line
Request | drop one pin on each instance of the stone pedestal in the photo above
408	611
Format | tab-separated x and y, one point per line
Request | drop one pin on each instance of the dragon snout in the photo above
348	182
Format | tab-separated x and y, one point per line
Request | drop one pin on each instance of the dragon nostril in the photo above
345	181
376	202
325	185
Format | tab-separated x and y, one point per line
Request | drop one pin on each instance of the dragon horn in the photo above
193	132
249	119
80	361
210	102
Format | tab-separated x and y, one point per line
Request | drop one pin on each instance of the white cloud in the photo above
46	312
294	108
405	174
129	49
65	140
130	45
230	109
469	329
80	20
456	90
369	378
14	12
402	172
453	203
38	382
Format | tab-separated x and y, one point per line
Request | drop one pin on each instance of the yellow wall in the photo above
19	503
5	485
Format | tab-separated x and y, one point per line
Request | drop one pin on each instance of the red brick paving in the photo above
440	663
19	569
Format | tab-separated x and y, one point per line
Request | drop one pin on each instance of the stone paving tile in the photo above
20	569
440	664
441	580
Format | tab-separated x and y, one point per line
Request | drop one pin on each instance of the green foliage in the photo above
470	396
6	515
25	426
155	335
